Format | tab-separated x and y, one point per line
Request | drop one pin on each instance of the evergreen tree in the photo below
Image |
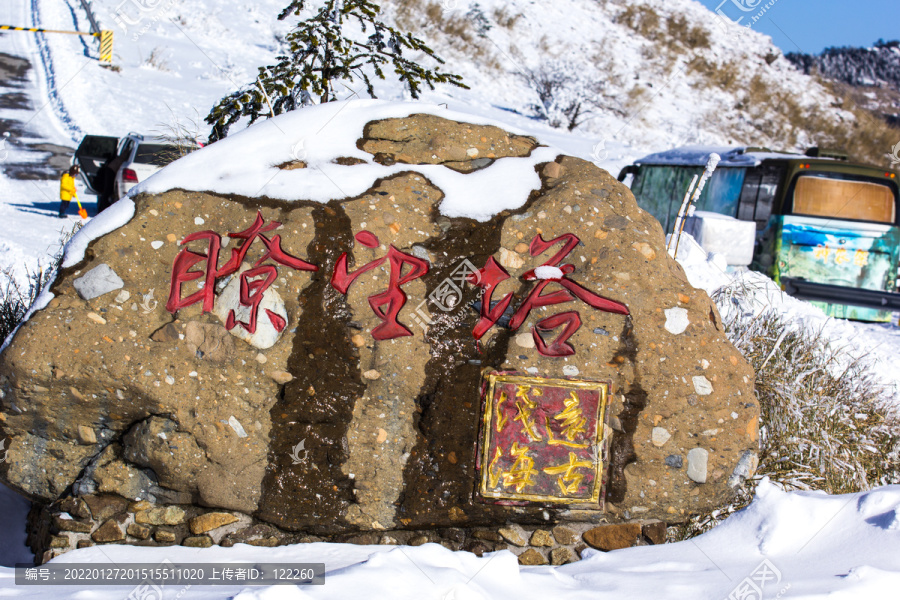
321	54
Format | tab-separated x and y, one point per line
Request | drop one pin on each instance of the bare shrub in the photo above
825	422
564	98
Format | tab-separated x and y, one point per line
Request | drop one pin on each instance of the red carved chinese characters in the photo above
387	304
253	282
492	274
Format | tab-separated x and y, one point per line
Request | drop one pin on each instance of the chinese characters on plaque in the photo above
542	440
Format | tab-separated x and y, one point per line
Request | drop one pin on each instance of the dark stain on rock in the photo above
621	451
324	359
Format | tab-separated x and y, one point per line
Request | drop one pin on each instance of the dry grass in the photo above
642	19
825	422
16	298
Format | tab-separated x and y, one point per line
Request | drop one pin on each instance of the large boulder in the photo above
337	364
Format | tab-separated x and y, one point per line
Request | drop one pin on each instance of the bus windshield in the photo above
846	199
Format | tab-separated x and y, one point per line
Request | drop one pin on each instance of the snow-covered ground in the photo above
792	545
178	57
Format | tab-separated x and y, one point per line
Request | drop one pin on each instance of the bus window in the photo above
723	191
843	198
759	193
660	189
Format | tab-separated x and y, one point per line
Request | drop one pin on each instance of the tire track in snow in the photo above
54	98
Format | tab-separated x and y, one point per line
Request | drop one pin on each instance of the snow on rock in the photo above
247	163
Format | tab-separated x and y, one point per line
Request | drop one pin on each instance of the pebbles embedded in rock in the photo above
696	467
238	428
98	281
660	436
677	320
702	385
525	340
281	377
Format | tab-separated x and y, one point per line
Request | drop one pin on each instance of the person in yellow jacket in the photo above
67	189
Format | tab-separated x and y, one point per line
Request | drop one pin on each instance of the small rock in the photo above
164	536
106	506
71	525
108	532
696	467
261	358
84	544
139	506
655	532
166	333
513	534
200	541
702	385
382	436
675	461
358	341
418	540
562	556
171	238
210	521
532	557
372	374
170	515
489	536
564	535
98	281
157	244
745	469
281	377
75	507
613	537
510	259
541	537
236	425
123	296
525	340
552	170
659	436
198	221
704	364
59	541
86	435
521	248
388	541
472	152
570	371
141	532
676	320
645	249
96	318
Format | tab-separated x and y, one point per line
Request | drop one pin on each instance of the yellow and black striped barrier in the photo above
106	38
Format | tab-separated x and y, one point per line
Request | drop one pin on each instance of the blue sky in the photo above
811	26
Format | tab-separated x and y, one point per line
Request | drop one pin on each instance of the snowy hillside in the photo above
647	75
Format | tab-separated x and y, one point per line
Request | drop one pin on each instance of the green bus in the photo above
827	230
